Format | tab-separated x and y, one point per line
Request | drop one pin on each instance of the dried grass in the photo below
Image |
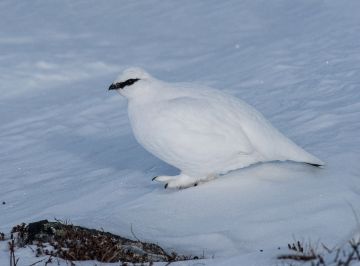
75	243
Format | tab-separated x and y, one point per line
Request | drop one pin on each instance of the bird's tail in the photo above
303	156
293	152
315	164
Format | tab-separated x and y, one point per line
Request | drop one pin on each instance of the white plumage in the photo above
202	131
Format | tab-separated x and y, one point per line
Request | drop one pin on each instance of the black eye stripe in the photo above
128	82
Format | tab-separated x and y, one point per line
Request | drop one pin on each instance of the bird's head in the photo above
128	82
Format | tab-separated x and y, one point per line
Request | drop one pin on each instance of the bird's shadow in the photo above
111	152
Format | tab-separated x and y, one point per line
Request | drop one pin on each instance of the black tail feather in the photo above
314	164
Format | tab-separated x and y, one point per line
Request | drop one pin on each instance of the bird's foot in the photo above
163	178
180	181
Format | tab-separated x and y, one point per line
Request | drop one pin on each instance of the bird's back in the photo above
268	141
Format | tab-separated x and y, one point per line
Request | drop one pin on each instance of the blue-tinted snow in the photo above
66	148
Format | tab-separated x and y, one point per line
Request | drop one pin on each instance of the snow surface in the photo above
67	151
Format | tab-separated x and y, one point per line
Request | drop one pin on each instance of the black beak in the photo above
112	87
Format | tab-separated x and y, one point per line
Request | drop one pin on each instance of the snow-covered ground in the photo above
66	147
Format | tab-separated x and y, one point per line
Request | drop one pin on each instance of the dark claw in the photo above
153	179
166	185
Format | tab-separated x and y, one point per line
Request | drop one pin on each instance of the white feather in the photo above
200	130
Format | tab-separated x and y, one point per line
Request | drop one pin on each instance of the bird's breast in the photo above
144	121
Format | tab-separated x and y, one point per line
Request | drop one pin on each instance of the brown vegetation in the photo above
324	256
75	243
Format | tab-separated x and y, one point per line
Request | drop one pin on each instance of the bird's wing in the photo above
199	124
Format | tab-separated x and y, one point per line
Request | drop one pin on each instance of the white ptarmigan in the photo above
201	131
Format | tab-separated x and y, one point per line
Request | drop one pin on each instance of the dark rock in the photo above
35	229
